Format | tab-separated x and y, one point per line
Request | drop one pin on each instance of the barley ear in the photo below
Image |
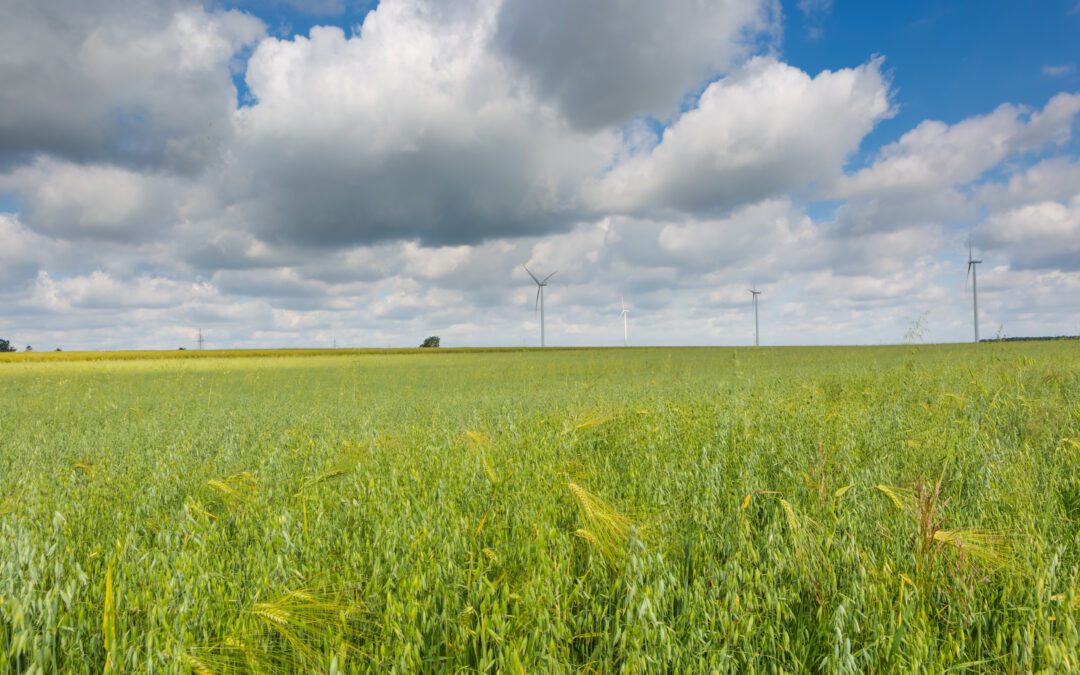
891	494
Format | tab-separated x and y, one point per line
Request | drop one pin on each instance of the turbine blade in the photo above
546	278
531	274
536	307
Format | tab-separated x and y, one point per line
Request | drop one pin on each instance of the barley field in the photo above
877	509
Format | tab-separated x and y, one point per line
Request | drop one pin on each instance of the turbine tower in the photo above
540	299
974	292
625	330
754	292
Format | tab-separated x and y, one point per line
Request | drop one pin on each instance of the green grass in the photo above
158	355
525	511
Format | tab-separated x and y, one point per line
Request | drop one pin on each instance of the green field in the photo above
892	509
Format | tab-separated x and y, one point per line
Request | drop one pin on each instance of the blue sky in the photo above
949	59
238	167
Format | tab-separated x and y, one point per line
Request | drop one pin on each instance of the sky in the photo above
361	173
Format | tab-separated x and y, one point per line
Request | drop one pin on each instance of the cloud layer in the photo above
145	85
377	183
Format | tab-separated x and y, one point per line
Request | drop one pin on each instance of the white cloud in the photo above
1059	71
23	253
1053	179
99	290
917	180
916	283
387	183
766	130
409	129
93	201
756	235
1044	235
118	81
1027	302
935	155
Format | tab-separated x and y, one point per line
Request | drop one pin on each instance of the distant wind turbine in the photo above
754	292
625	330
540	299
974	291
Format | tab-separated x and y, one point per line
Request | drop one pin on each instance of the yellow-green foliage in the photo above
155	354
839	510
288	634
604	527
924	505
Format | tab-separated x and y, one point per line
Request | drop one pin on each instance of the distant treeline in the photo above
1031	339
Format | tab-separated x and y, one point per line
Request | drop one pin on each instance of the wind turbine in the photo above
754	292
974	291
540	299
625	331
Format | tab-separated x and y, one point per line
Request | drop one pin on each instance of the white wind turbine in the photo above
625	330
754	292
974	291
540	299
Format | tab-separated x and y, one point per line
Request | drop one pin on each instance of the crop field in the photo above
877	509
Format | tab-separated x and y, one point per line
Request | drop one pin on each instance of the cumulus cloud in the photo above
757	235
935	154
605	62
916	178
283	285
1026	302
1052	179
99	290
22	254
101	202
767	129
875	289
118	81
407	130
385	181
1041	236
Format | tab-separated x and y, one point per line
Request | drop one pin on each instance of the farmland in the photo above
910	509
